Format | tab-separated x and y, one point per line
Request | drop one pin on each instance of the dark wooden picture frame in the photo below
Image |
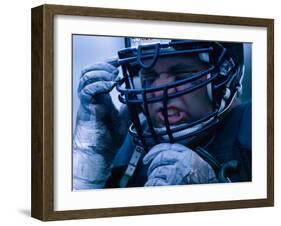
42	203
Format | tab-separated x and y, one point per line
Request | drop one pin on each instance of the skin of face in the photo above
186	108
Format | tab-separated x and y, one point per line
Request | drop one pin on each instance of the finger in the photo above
171	174
87	93
180	148
95	76
156	182
153	152
164	158
160	172
99	67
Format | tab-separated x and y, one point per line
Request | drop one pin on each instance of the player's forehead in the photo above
179	62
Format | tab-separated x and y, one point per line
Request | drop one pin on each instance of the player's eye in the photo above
147	78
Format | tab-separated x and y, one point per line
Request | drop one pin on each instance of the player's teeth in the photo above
172	112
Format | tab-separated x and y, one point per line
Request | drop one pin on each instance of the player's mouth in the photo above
175	115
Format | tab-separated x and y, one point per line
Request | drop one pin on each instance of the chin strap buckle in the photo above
131	168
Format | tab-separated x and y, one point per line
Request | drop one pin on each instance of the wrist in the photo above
90	170
84	137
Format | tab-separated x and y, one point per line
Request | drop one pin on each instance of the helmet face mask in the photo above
217	70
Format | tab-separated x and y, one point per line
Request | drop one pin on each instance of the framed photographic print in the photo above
141	112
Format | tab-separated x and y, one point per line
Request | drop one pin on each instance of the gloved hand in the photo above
175	164
100	127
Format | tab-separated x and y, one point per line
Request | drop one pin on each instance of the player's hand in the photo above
100	127
175	164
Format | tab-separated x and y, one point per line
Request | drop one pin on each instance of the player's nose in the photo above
164	79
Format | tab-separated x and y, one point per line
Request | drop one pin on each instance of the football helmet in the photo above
224	76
